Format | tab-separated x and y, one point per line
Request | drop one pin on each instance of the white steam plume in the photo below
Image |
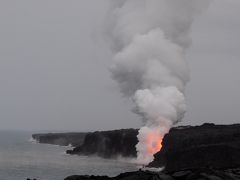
149	39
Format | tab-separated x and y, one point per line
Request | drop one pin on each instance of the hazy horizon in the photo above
54	68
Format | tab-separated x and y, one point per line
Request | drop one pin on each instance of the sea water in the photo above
21	159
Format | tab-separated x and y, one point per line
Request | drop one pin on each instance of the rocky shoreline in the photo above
106	144
190	174
209	151
208	145
62	139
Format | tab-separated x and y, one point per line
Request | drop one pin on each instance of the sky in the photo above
54	67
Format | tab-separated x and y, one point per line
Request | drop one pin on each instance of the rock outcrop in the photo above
209	145
62	139
206	152
106	144
200	174
109	144
184	148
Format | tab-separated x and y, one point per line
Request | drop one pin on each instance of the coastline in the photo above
191	152
190	174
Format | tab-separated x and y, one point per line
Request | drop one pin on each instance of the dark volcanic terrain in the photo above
206	152
209	145
199	174
62	139
109	144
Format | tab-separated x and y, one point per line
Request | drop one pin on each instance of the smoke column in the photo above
149	39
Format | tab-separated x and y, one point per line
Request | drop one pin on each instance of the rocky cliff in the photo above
199	174
62	139
206	152
109	144
209	145
209	151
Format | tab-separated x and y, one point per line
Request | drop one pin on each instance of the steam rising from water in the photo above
149	39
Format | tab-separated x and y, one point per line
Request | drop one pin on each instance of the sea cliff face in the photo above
209	145
209	151
106	144
109	144
206	152
62	139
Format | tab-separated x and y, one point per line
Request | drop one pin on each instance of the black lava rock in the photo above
62	139
109	144
209	145
200	174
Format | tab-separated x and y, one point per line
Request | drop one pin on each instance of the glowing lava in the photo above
154	142
150	142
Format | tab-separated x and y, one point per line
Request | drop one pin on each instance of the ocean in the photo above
21	158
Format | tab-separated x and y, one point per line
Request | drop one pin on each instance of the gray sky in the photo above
54	67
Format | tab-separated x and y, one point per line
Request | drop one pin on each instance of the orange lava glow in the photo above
154	143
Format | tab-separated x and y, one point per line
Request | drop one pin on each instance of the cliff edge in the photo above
208	145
